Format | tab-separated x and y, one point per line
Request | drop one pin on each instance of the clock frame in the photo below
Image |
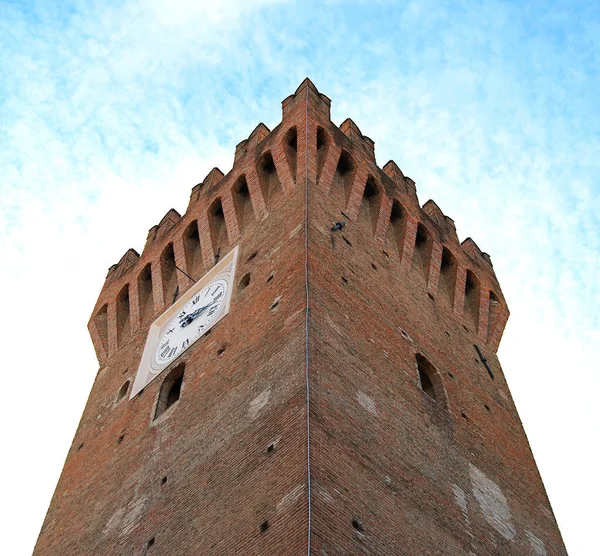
149	367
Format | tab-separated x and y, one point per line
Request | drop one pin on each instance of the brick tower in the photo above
345	398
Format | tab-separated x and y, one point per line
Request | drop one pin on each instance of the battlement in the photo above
305	150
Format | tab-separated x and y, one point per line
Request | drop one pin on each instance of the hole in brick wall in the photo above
122	391
292	139
270	278
487	407
264	526
430	380
358	525
163	481
345	215
447	333
430	296
121	438
170	390
270	448
244	282
151	542
274	304
348	243
373	266
426	384
253	255
80	446
464	415
466	329
386	254
451	376
221	351
345	164
344	279
320	138
207	332
140	392
405	335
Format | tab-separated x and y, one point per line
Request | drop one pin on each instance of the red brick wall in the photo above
391	470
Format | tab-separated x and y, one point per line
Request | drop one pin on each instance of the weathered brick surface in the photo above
391	470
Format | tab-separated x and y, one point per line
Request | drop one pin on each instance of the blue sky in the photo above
490	106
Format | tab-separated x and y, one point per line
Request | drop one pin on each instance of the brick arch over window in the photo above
431	381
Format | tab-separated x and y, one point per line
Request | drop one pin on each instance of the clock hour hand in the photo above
189	318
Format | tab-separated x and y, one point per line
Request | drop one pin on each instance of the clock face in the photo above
194	319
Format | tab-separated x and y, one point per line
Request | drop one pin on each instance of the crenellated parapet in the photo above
338	163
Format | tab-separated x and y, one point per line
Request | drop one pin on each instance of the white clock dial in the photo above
191	322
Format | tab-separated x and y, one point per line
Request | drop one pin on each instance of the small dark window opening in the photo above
430	380
292	139
121	438
421	238
163	481
123	391
345	164
268	165
426	384
253	255
151	542
264	526
358	525
170	390
270	278
270	448
321	141
245	281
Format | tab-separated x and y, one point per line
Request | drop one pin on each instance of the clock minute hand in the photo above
189	318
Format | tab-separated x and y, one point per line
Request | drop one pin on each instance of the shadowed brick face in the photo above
368	424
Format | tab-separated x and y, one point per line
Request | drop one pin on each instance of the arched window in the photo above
170	390
122	391
430	380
